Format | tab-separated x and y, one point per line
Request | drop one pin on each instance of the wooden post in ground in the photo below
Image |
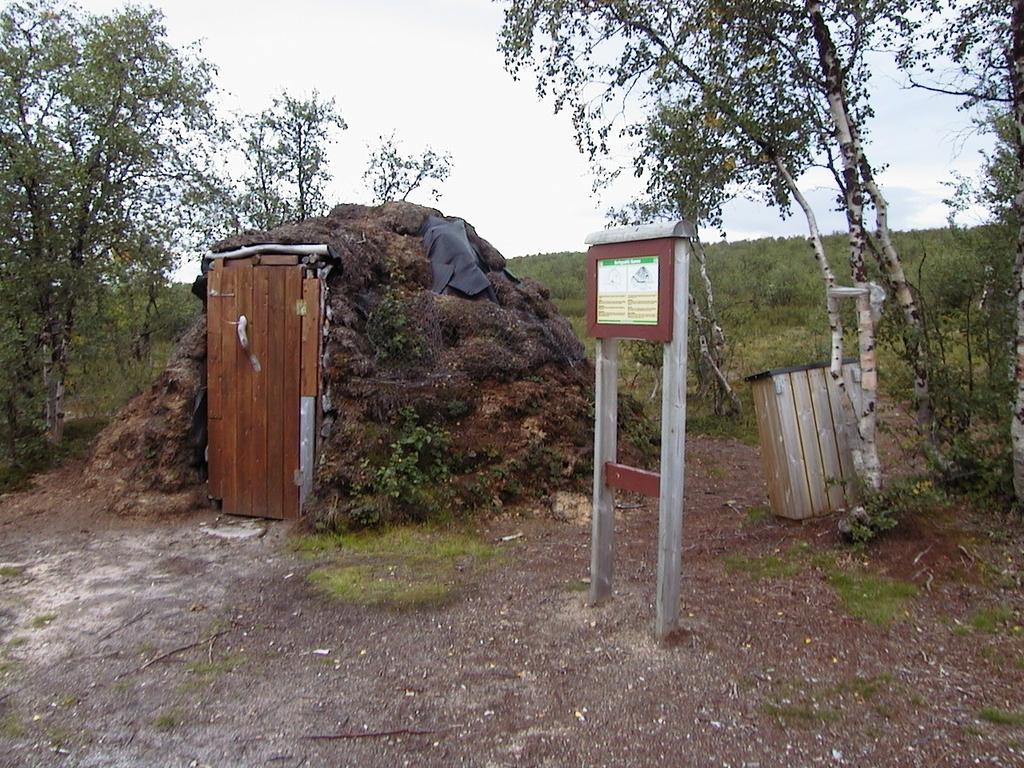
605	440
673	445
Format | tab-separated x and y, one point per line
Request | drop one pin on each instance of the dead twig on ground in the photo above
923	553
137	617
379	734
172	652
968	556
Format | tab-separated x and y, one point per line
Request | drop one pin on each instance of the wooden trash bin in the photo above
805	449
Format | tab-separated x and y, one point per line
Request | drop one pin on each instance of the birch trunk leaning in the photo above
835	322
892	266
711	341
871	475
1016	64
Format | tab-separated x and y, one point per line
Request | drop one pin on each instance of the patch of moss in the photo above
11	726
783	565
1001	717
993	619
799	714
169	719
873	598
205	673
399	567
43	620
11	571
757	514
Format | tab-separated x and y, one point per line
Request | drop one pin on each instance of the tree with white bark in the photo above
789	83
985	44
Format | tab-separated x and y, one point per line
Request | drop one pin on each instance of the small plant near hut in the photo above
412	481
393	333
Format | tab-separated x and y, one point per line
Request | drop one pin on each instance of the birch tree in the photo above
985	42
392	175
285	149
97	120
750	64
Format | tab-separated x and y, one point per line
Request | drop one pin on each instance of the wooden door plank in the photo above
214	373
827	439
798	502
763	406
245	373
229	409
807	423
259	340
275	384
310	383
290	391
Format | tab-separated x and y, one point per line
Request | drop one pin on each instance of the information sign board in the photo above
629	291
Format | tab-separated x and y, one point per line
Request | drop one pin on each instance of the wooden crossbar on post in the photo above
631	479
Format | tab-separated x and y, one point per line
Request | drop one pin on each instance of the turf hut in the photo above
374	364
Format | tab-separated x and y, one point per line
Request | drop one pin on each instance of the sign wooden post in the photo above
638	288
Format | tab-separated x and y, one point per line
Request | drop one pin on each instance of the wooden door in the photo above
256	396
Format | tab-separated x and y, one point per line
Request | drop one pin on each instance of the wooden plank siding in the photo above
810	446
291	370
805	446
828	438
214	323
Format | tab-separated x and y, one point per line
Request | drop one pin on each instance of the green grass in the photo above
43	620
1001	717
992	620
784	565
169	719
806	703
873	598
800	714
402	567
204	673
11	571
11	726
757	514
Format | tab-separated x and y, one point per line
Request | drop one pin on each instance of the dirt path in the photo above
775	669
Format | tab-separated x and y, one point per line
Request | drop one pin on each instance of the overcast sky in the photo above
430	72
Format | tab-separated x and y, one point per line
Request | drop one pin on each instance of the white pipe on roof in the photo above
252	250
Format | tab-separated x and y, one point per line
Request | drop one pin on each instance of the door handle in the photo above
243	339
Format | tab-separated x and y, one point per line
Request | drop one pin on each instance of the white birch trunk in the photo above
871	471
835	322
1017	87
711	367
892	264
